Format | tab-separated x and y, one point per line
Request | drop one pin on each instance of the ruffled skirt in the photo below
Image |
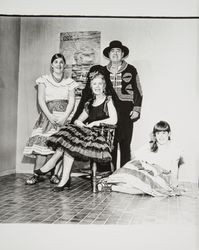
140	178
43	129
82	143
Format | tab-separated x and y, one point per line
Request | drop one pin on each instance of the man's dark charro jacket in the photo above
127	86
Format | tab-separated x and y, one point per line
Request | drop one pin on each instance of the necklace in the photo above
99	100
58	80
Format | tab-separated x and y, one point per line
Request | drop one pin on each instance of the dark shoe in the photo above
59	189
68	183
38	172
32	180
54	179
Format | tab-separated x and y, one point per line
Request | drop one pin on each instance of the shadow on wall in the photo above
28	160
2	85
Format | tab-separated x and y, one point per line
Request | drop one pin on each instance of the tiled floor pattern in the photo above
20	203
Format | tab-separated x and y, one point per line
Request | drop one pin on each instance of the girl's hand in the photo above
79	123
53	119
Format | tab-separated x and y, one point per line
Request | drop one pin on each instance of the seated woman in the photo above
153	170
83	139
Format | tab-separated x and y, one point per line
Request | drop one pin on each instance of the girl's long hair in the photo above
160	126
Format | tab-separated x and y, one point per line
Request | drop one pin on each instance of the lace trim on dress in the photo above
65	82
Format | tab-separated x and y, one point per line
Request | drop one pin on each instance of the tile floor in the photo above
20	203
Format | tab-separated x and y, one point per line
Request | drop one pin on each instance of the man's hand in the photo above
134	115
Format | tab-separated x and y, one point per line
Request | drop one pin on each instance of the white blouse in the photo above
167	156
54	90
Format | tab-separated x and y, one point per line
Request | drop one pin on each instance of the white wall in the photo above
9	54
165	53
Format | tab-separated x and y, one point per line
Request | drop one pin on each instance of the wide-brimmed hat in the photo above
115	44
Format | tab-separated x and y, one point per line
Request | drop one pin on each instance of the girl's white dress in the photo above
56	97
153	173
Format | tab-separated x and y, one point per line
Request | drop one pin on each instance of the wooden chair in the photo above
108	131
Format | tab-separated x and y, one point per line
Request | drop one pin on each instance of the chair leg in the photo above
94	179
112	167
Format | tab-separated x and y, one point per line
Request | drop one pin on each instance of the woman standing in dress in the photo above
56	99
153	170
83	139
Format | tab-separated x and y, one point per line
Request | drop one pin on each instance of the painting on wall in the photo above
81	50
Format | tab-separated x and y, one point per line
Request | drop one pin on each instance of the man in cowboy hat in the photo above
125	80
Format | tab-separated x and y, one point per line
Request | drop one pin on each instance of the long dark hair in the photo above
56	56
99	70
87	92
160	126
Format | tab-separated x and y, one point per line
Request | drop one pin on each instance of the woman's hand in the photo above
92	124
61	120
79	123
160	170
52	118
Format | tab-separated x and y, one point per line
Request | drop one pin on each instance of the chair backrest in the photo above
108	131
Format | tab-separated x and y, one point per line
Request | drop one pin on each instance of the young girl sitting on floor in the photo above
153	170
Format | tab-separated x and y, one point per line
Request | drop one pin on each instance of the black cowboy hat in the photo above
115	44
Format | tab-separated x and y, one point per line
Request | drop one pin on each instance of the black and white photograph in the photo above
99	125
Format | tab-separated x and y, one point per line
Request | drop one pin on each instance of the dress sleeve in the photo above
138	95
73	85
40	80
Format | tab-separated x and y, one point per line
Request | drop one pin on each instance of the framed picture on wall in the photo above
81	50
